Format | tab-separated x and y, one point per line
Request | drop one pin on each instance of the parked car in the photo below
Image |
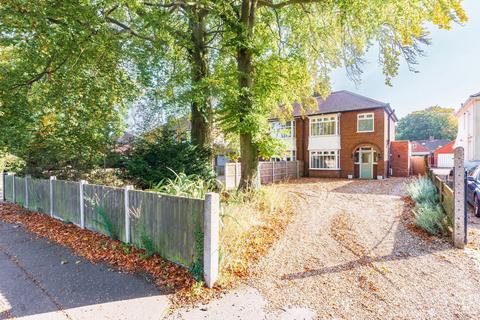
473	189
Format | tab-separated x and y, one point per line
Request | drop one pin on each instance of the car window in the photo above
473	172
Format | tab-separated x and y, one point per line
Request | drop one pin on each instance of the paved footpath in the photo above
42	280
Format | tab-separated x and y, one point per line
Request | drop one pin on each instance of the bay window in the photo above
324	159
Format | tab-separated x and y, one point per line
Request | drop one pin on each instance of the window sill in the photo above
326	169
365	131
325	135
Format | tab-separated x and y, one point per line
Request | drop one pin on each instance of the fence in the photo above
269	172
445	192
177	226
452	197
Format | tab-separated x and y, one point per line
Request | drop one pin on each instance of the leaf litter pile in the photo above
169	277
97	248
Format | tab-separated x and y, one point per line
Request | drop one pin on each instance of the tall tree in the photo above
284	49
436	122
152	51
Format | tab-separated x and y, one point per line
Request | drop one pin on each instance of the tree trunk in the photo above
201	106
248	148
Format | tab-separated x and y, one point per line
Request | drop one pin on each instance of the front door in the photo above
366	165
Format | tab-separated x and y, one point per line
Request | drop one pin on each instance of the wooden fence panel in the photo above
66	201
104	210
174	224
38	195
20	190
8	188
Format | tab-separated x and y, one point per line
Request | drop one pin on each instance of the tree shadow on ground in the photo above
409	242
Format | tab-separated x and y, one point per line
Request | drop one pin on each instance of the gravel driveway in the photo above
350	254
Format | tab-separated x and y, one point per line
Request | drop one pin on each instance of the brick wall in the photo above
351	140
401	155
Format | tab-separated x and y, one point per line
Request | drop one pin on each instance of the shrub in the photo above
431	218
182	185
429	214
11	163
156	158
422	190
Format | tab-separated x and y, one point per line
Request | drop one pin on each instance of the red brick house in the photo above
443	156
346	135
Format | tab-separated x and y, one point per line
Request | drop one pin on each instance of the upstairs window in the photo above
365	122
283	130
323	126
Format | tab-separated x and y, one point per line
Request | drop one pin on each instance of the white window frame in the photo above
278	129
364	115
323	119
337	158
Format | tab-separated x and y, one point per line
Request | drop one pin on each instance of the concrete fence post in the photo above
26	190
52	179
459	235
127	214
259	174
211	230
273	171
82	203
3	185
14	198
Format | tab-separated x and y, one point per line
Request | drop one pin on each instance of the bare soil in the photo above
352	252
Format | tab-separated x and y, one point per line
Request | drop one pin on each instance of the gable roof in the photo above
341	101
432	145
417	147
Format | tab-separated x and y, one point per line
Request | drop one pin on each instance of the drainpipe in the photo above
389	142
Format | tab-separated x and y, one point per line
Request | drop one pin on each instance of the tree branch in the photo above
128	29
278	5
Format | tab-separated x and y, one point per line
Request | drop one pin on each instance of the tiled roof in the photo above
475	95
433	145
418	147
340	101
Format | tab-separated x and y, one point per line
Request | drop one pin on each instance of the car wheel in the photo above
476	206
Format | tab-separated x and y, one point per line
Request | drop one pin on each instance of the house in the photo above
345	135
468	136
443	156
426	148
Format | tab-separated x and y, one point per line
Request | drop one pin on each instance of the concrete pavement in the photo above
42	280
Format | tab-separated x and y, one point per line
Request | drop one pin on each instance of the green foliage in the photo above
154	159
196	269
146	242
429	214
422	190
182	185
431	218
436	122
103	220
11	163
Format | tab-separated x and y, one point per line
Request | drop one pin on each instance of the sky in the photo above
447	74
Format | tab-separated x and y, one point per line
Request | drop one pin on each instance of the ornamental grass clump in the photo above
429	214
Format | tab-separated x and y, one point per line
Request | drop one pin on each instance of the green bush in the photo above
431	218
422	190
156	158
11	163
429	214
182	185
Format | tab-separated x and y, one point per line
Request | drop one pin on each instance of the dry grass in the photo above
251	223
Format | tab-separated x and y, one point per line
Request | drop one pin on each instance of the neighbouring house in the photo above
443	156
426	149
345	135
468	136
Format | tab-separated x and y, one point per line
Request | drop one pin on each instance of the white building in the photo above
468	135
